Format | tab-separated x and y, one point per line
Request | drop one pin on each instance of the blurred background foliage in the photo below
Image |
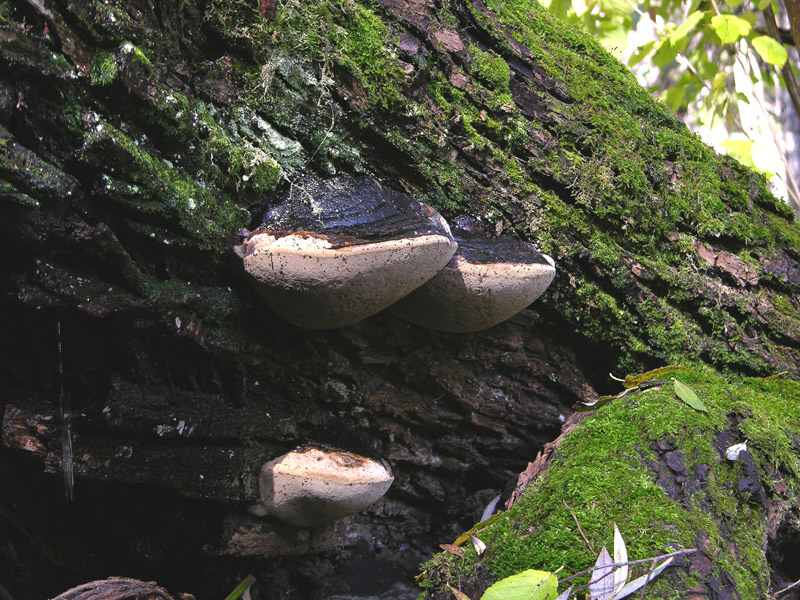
729	68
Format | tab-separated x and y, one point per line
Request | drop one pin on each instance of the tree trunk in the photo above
137	140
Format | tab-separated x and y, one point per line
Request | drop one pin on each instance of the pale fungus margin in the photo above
488	280
339	251
313	486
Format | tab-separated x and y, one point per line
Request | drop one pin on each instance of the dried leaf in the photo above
734	451
601	586
565	594
528	585
268	9
489	510
620	556
465	536
601	401
640	582
686	394
632	381
478	545
458	593
452	549
771	377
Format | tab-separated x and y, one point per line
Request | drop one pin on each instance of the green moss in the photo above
490	67
152	185
349	35
540	532
587	154
7	12
104	68
25	173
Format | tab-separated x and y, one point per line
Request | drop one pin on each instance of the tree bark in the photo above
136	139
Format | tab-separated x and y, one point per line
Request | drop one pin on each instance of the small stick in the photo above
579	528
632	562
66	426
646	581
786	589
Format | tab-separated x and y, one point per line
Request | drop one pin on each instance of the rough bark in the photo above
137	138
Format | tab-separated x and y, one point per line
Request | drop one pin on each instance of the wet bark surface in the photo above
124	315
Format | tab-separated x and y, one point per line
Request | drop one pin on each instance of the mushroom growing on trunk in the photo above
488	280
338	251
316	485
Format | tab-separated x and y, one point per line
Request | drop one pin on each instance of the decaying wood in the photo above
539	464
120	588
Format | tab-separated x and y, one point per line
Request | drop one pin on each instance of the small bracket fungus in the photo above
315	485
342	250
488	280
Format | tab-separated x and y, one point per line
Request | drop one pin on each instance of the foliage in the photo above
710	59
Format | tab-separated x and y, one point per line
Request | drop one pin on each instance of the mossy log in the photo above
137	139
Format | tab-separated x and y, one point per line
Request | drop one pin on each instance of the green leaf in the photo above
641	53
729	28
750	17
241	588
770	50
665	54
734	4
560	8
741	150
687	394
719	82
730	116
688	25
528	585
615	7
738	147
674	97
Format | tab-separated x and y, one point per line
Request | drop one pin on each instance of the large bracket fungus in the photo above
338	251
314	486
488	280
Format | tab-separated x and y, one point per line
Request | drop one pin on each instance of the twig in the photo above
66	425
647	581
588	543
632	562
787	588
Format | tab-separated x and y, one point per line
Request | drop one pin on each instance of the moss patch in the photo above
600	471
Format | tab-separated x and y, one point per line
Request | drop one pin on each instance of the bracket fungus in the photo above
488	280
316	485
341	250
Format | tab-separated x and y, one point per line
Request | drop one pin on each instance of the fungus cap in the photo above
343	252
487	281
313	485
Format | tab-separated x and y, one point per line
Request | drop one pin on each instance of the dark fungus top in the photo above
350	211
476	245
